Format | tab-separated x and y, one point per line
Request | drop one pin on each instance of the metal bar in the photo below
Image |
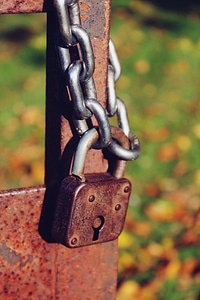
23	6
30	268
33	267
27	263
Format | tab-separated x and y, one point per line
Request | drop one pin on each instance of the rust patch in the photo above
25	260
8	255
84	10
97	25
24	6
31	268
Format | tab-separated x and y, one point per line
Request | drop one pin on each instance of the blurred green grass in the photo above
22	99
158	43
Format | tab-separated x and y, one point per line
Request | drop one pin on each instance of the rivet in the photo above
74	241
126	189
118	207
91	198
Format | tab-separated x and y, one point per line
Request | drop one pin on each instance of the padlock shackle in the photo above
85	144
118	168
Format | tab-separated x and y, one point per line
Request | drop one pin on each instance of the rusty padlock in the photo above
90	208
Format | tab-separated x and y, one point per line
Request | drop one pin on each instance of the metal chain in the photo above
115	106
78	72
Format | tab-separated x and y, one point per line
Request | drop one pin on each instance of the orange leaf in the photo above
167	152
161	210
152	189
159	134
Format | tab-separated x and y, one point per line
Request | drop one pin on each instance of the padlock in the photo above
90	208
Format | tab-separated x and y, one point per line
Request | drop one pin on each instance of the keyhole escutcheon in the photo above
97	227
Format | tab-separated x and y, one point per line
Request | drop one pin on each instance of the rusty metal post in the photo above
32	267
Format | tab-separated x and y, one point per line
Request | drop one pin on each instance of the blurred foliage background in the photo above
22	99
158	43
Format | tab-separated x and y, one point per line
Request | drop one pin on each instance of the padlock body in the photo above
82	205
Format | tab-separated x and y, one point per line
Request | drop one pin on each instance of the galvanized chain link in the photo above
78	72
115	106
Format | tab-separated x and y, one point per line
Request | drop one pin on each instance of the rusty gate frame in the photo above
31	266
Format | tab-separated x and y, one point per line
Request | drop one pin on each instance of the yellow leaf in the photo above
155	250
38	42
185	44
129	290
167	243
172	269
38	172
125	240
161	210
126	260
183	142
32	115
197	177
196	130
142	66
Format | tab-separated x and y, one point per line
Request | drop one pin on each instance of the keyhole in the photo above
97	226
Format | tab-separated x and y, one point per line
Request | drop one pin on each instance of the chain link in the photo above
78	72
115	106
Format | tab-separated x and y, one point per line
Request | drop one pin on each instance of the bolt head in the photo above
126	189
117	207
74	241
91	198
